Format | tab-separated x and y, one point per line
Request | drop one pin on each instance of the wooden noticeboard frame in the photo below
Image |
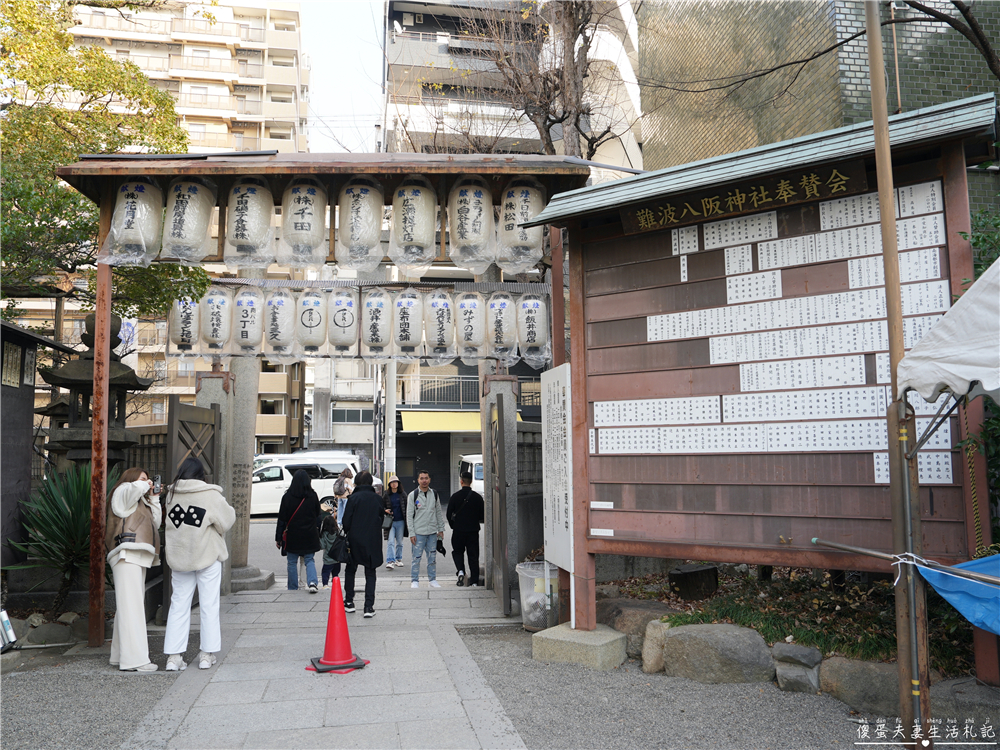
649	320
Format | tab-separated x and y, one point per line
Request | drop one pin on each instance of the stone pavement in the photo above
422	688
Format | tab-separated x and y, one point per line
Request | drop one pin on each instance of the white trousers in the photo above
129	647
209	583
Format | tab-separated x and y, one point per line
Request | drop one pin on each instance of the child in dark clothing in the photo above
328	533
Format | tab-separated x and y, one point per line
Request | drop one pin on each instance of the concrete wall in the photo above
16	405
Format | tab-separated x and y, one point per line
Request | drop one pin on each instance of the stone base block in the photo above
251	578
794	678
602	648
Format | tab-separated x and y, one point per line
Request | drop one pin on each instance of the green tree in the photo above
59	102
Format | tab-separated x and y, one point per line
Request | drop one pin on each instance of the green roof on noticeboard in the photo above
975	116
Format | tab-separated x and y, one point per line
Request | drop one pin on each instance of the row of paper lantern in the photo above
375	323
140	228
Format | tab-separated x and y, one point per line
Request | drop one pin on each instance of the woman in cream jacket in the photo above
132	538
198	518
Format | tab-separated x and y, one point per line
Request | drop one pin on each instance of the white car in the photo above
271	481
473	463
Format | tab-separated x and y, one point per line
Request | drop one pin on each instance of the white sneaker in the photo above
205	660
435	585
390	566
150	667
175	663
414	585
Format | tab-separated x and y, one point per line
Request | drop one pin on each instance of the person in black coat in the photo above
466	510
299	515
363	524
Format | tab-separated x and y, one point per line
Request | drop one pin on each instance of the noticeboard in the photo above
557	459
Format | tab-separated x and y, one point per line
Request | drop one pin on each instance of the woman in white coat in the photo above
198	518
132	539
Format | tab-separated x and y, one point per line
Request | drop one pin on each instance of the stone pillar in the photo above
322	419
214	388
506	386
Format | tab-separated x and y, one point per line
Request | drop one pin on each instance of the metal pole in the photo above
899	480
99	436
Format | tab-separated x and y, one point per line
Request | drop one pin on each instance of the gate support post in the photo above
212	390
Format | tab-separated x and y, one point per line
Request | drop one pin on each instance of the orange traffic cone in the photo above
337	655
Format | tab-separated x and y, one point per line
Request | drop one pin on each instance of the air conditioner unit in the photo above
418	17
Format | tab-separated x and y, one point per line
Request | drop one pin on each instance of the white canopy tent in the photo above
961	353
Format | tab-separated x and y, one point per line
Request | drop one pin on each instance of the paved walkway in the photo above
422	688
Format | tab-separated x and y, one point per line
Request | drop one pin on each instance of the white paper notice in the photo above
820	404
657	411
684	240
932	468
794	251
741	230
739	259
925	198
849	211
557	460
803	373
916	265
753	286
684	268
593	440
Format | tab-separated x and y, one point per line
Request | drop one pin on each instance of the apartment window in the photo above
122	53
199	53
185	369
281	136
353	416
283	62
284	26
197	130
281	98
158	408
269	406
159	369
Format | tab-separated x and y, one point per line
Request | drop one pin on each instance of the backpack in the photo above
340	487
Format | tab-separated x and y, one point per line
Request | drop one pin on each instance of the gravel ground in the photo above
568	706
86	702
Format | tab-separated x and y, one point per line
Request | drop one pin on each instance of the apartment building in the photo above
240	78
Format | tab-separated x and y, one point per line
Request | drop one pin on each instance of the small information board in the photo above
557	460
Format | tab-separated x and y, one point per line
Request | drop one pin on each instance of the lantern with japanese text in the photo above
216	318
279	322
376	324
311	324
439	327
303	224
407	323
187	223
414	224
470	224
136	225
520	248
248	320
343	320
533	329
359	224
470	326
185	327
249	235
501	327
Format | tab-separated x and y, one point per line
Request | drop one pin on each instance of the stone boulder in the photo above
631	616
652	646
51	633
796	667
606	591
790	653
81	628
865	686
717	654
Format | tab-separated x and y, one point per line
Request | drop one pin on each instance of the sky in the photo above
343	40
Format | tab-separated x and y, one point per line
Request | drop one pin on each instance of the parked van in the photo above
473	463
332	461
272	480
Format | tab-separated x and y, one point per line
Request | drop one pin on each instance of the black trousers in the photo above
328	569
462	542
351	569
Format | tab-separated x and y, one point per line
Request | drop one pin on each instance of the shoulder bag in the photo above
284	534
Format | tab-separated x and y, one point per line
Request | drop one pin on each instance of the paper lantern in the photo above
248	319
184	324
303	223
520	248
470	224
279	322
414	223
439	320
187	223
501	325
249	236
407	321
376	319
533	329
310	328
216	318
136	225
359	224
342	314
470	326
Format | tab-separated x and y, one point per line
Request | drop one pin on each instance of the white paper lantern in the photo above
470	321
248	319
359	222
520	248
311	323
279	321
136	225
439	320
188	220
470	224
407	321
532	321
414	223
501	323
376	319
249	236
216	318
303	223
184	324
343	317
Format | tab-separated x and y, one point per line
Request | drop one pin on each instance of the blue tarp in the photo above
979	603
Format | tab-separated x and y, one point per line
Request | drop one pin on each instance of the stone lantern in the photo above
77	376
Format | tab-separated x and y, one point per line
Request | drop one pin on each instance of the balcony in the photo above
272	424
273	382
151	338
249	70
282	39
285	75
148	64
354	389
116	23
458	391
207	101
281	145
210	65
188	27
230	141
280	111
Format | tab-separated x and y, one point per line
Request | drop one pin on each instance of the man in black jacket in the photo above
363	524
465	512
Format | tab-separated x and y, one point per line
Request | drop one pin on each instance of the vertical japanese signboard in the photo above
557	473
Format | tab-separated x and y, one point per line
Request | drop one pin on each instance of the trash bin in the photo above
537	611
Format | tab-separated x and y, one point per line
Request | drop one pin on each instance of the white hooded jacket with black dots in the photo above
198	518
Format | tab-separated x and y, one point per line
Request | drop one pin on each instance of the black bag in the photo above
387	521
339	550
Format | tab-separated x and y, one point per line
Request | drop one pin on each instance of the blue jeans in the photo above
293	570
394	551
428	543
